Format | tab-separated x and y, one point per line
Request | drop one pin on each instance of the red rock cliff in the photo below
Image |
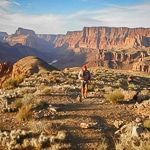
106	38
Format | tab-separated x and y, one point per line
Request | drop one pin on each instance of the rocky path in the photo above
93	111
90	111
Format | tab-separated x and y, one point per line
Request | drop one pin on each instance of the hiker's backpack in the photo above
86	75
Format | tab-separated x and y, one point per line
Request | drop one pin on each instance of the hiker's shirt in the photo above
84	76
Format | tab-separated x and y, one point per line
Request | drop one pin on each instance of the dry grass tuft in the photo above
18	103
115	97
12	82
24	113
147	123
103	145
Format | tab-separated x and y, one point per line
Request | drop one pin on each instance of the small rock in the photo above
136	130
26	143
61	135
84	125
118	123
138	120
54	109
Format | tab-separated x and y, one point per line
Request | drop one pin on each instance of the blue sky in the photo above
70	6
59	16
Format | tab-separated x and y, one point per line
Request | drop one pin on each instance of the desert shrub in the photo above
132	86
122	83
19	79
103	145
91	87
12	82
24	113
47	90
18	103
145	145
27	90
133	144
147	123
28	99
145	92
115	96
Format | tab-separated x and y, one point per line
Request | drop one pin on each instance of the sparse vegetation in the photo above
147	123
12	82
52	112
115	97
24	113
103	145
146	145
28	99
18	103
47	91
132	86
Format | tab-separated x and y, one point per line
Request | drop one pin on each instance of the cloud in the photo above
7	4
130	16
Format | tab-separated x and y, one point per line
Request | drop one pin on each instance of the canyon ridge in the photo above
109	47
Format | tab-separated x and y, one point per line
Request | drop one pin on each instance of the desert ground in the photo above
45	111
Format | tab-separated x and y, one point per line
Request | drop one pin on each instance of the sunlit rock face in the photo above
106	38
111	47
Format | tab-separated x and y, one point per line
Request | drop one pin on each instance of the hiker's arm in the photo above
80	75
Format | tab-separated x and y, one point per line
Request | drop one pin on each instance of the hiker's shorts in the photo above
84	84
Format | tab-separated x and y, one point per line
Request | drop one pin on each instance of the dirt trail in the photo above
91	110
72	113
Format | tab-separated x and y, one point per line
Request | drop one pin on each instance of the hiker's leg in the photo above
82	89
86	90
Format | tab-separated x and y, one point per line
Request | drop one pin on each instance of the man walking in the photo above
85	77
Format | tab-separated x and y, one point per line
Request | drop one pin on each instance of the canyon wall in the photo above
106	38
112	47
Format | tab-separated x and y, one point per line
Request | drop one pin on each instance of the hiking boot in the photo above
85	97
79	98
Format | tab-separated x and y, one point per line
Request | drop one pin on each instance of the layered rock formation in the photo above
5	68
51	38
120	59
106	38
22	36
112	47
109	46
70	40
5	71
30	65
28	38
24	67
143	65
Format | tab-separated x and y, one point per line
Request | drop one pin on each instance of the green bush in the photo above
115	96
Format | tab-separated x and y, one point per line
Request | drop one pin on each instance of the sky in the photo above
60	16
